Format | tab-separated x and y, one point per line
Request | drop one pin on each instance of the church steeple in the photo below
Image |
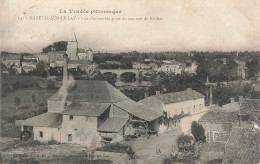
72	47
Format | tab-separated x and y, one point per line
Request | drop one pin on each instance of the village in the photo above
104	107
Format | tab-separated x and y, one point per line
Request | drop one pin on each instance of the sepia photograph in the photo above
130	82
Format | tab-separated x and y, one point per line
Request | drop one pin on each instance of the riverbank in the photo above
44	153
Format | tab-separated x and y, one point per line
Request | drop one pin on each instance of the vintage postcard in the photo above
134	81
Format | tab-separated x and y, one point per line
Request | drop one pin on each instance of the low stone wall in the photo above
118	158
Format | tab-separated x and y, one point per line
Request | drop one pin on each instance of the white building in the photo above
172	67
180	108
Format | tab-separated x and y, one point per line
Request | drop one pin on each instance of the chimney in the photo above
232	100
189	89
157	92
210	95
146	94
65	67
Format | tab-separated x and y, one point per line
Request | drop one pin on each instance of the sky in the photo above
187	25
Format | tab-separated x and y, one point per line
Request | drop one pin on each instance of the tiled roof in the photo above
82	62
179	96
243	146
12	57
93	91
86	109
113	124
214	107
222	137
49	119
153	103
213	146
140	110
231	106
219	116
249	105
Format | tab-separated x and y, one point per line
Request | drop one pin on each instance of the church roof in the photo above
93	91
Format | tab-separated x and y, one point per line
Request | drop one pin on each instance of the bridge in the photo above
119	72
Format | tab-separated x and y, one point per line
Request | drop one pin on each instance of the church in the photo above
79	58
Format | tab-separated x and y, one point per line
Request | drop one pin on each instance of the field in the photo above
26	108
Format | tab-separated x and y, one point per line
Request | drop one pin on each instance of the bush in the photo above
117	148
198	132
29	143
53	142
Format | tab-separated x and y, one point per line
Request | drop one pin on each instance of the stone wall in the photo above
82	129
47	134
211	128
189	106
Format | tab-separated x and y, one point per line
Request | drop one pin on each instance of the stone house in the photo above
249	111
82	65
150	66
10	59
89	112
13	60
172	67
93	109
54	56
29	64
218	121
191	69
85	54
242	146
180	108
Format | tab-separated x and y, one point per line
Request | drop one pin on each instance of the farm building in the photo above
180	108
90	112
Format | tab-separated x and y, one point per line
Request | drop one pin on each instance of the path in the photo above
145	149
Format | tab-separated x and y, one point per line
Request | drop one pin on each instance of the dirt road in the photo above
148	150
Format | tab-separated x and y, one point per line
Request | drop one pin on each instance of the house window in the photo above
194	108
200	107
86	118
214	135
69	137
71	117
41	134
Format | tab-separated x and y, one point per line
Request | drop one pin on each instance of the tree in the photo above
33	100
17	101
47	49
57	46
11	70
198	132
40	69
60	46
